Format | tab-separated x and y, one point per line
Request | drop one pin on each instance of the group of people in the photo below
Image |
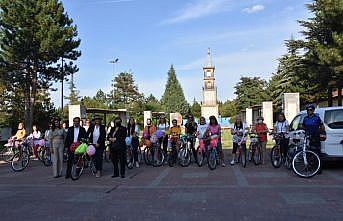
58	138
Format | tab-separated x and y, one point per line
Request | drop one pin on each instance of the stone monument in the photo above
291	105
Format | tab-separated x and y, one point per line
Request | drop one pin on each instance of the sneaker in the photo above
232	162
98	174
137	165
223	164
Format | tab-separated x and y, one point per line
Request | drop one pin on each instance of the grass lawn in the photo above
227	140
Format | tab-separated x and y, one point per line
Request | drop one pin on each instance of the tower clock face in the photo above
208	73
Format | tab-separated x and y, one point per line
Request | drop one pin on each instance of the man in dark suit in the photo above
74	134
117	137
97	136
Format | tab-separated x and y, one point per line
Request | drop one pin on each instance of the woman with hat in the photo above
97	136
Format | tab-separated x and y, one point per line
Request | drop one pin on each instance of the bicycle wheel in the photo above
20	161
158	157
92	167
45	157
184	157
130	158
275	156
77	167
7	154
200	157
147	156
306	170
212	159
243	157
140	155
172	157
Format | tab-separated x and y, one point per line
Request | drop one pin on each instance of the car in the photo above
332	117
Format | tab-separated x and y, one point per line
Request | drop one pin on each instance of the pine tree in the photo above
173	99
124	91
35	35
73	97
196	109
250	91
323	45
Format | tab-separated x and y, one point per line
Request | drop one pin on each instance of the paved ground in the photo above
193	193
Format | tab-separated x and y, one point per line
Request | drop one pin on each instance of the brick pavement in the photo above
192	193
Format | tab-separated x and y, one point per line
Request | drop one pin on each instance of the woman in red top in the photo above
261	130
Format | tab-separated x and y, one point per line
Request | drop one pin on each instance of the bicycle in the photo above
154	155
213	156
242	157
44	154
82	161
185	151
254	153
306	163
21	159
130	156
172	151
202	151
276	155
9	150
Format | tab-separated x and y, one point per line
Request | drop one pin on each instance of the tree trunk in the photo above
339	97
30	98
329	97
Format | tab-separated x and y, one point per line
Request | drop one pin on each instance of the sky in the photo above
246	38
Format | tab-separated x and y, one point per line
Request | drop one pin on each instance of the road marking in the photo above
156	182
241	180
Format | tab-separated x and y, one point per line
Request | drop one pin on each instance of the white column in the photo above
248	116
147	115
267	113
291	105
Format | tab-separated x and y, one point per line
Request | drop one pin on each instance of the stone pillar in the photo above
291	105
76	111
267	113
147	115
248	116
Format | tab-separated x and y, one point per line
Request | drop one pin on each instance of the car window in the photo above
295	123
334	119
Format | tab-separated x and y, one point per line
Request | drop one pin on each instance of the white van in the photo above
332	117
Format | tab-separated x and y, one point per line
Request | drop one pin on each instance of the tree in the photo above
152	104
228	108
173	99
323	46
73	97
250	91
196	109
98	101
124	91
35	35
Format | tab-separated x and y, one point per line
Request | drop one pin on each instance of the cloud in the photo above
254	9
199	9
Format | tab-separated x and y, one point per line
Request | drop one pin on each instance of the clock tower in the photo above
209	105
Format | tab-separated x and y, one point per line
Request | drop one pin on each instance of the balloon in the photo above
73	146
91	150
159	133
128	141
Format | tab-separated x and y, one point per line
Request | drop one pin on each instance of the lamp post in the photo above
62	96
114	62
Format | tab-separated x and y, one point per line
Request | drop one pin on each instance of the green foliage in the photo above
250	91
152	104
228	108
35	35
323	45
173	99
124	91
98	101
196	109
73	97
